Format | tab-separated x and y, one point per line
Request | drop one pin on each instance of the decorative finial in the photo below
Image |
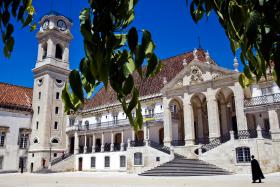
235	64
207	57
195	54
164	80
184	62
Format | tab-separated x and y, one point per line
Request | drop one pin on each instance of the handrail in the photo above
262	100
115	123
159	147
59	159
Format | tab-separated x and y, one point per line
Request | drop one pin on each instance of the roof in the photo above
15	97
171	67
55	13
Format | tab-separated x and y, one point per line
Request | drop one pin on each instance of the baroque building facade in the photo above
193	109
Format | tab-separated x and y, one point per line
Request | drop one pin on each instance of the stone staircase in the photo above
182	166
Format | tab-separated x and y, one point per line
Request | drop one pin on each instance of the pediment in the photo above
196	73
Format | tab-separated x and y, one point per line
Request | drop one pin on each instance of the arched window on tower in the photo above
45	48
58	52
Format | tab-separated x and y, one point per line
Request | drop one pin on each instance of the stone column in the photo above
146	134
167	122
188	120
224	124
102	142
239	107
76	143
67	144
200	123
122	144
85	146
112	142
93	143
213	114
132	135
40	52
274	123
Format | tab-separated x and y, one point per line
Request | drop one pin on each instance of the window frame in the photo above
122	162
141	162
107	164
23	141
3	135
93	164
243	155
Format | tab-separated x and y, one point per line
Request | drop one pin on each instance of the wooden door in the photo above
118	138
80	164
161	135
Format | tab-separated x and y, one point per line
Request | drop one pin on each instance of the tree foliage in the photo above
253	27
113	51
11	11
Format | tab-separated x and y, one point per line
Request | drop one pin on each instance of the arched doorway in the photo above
118	141
72	143
200	113
177	115
227	115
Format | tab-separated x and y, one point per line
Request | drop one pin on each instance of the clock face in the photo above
46	24
61	25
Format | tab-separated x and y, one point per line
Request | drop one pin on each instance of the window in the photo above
54	140
2	139
33	154
71	121
266	91
138	158
39	95
57	95
55	125
23	139
122	161
56	110
107	162
115	119
243	154
1	162
151	112
173	108
58	52
35	140
45	47
92	162
38	110
55	155
37	125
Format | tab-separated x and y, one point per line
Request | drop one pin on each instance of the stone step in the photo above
186	167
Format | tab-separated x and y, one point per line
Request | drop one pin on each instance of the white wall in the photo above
99	161
11	151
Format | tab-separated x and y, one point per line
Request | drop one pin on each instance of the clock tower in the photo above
48	138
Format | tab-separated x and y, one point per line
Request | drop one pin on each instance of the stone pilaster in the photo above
85	146
199	123
93	143
102	142
112	142
188	120
274	124
239	107
76	143
167	122
122	144
213	114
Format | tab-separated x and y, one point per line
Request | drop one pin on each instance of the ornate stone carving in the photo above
179	83
216	75
196	74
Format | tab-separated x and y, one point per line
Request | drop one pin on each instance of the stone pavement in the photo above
108	179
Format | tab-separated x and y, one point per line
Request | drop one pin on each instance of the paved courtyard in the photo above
84	179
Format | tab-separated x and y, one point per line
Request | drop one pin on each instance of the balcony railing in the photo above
262	100
115	123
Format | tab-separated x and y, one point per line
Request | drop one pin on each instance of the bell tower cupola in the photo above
54	37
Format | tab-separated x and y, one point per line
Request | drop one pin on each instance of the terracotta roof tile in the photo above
171	67
13	96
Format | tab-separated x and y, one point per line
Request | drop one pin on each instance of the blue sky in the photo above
169	21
